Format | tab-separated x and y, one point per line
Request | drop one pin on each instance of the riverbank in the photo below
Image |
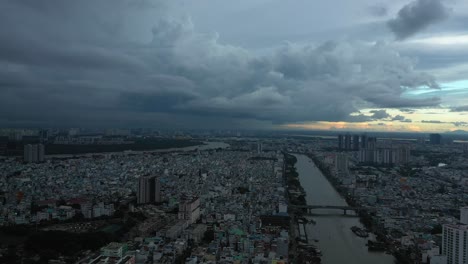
368	220
299	249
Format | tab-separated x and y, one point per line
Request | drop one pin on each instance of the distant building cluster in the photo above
34	153
385	156
350	142
369	152
91	140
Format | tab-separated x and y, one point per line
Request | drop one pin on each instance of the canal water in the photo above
332	230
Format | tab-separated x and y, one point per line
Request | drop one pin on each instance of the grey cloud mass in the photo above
463	108
432	121
417	16
379	114
80	64
401	119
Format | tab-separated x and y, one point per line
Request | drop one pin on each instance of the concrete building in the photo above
347	142
363	141
340	142
356	142
435	139
464	215
34	153
341	163
371	143
189	209
455	244
402	155
115	250
149	190
439	259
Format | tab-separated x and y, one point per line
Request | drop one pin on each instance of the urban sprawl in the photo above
229	204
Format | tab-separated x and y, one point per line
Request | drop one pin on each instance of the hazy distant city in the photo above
230	196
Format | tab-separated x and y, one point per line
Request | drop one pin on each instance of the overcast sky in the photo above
337	64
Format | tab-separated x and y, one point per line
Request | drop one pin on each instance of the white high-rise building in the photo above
455	243
455	240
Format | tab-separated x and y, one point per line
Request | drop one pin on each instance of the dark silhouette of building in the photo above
149	190
435	139
356	142
363	141
34	153
347	142
3	146
371	143
340	142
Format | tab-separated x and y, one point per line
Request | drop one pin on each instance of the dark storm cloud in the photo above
80	62
417	16
379	114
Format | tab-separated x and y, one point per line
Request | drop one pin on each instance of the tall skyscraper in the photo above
341	163
363	141
371	143
44	135
157	190
40	152
34	153
455	240
435	139
3	145
340	142
388	156
356	142
455	244
348	142
149	190
402	155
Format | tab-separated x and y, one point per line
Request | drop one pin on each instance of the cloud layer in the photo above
417	16
82	64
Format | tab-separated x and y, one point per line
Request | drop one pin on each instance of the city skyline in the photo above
262	64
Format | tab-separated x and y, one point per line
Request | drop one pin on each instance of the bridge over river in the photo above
345	208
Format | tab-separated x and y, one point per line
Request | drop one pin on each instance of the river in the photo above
332	230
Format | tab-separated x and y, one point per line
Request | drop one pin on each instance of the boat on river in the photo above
376	245
359	231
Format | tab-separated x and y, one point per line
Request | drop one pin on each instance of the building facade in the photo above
149	190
